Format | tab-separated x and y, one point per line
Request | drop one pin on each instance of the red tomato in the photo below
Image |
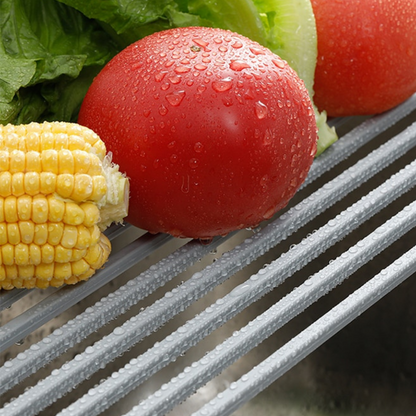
366	55
215	132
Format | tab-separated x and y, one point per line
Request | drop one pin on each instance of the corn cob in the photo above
58	192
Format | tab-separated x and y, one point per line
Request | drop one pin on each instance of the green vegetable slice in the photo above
291	34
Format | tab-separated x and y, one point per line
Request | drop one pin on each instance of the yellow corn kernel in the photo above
35	254
5	184
4	161
78	254
1	209
18	184
17	161
33	141
96	167
92	214
12	272
50	161
94	256
10	209
75	143
87	274
79	267
66	162
24	207
31	183
74	214
30	283
33	162
26	271
43	283
18	281
48	253
72	280
83	238
3	274
7	254
99	187
47	183
47	141
56	209
40	209
13	233
55	233
65	185
61	141
62	254
3	233
82	161
83	188
41	234
11	140
69	238
21	254
62	271
27	231
95	234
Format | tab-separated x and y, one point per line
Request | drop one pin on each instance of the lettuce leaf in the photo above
44	45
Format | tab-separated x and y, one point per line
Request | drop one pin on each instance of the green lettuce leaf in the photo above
45	43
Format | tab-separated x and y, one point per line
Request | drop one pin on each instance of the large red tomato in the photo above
215	132
366	55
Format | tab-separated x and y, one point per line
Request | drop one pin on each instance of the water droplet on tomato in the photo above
257	51
175	79
185	184
182	69
193	163
222	85
173	158
200	67
163	110
260	110
175	98
146	113
239	65
159	76
201	88
267	138
199	147
280	64
202	43
237	44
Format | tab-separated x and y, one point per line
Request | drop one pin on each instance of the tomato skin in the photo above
366	55
208	149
